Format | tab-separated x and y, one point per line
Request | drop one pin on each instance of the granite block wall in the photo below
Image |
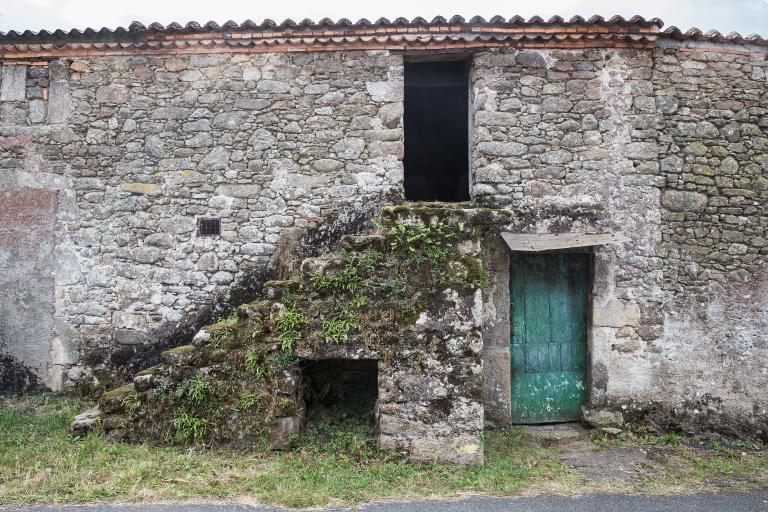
666	146
138	148
712	107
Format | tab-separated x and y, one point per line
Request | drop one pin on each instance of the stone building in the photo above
154	178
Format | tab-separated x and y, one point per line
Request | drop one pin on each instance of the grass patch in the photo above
41	463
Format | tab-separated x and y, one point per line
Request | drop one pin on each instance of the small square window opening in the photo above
208	227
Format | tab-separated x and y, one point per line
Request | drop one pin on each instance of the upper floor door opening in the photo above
436	123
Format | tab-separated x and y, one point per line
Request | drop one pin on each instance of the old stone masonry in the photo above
450	224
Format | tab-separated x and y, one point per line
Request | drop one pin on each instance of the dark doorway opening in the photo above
340	390
436	131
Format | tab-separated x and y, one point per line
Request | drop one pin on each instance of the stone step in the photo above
255	310
321	264
112	401
147	379
178	356
557	431
355	243
275	289
86	421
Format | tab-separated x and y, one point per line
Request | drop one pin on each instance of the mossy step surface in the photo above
112	401
178	355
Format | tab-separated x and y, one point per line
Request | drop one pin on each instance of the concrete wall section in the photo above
27	264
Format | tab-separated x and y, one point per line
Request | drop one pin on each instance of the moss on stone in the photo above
118	392
184	349
221	326
470	213
152	370
112	401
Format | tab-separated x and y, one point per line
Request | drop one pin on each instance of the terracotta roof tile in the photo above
137	27
714	36
328	34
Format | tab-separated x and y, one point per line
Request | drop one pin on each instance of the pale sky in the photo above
745	16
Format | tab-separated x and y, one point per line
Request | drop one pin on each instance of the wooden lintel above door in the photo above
527	242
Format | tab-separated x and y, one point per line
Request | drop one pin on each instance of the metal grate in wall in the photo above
208	227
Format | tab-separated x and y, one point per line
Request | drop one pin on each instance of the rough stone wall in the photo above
601	140
666	145
553	140
712	107
713	111
140	147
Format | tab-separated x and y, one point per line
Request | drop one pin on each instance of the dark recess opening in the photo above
436	131
340	390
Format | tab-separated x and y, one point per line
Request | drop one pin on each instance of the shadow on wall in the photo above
16	378
117	364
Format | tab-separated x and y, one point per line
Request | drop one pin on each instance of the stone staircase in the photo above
407	295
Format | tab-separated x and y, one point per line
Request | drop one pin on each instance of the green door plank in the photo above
549	301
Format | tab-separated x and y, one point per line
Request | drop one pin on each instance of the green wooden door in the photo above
549	300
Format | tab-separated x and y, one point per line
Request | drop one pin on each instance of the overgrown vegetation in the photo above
336	328
196	390
40	462
132	403
369	296
433	241
248	401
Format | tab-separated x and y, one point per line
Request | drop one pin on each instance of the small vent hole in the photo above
208	227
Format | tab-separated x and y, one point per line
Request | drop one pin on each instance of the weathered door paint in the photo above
549	300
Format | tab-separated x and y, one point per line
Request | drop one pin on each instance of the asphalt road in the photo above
732	502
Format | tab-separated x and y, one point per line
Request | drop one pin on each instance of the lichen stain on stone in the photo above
468	448
16	378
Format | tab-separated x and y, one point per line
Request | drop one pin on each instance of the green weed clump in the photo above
249	401
336	330
132	403
190	428
197	391
255	364
289	325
